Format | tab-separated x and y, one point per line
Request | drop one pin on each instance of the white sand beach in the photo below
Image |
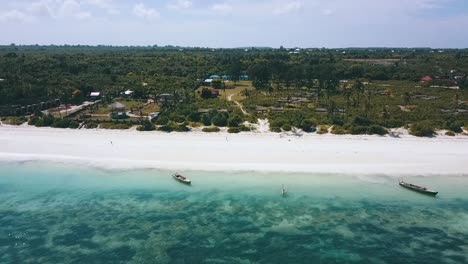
267	152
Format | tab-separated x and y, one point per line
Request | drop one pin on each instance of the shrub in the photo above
61	123
33	120
308	125
275	129
146	126
361	121
244	128
162	120
422	129
322	130
220	120
177	118
450	133
195	124
114	126
376	130
15	121
336	120
91	125
338	130
172	126
454	125
357	130
234	120
211	129
286	128
234	130
206	120
181	128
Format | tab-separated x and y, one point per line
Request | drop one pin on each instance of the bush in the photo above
422	129
220	120
206	120
211	129
114	126
454	125
244	128
172	126
286	128
275	129
338	130
322	130
234	130
91	125
357	130
234	120
15	121
376	130
146	126
61	123
308	125
162	120
361	121
450	133
177	118
336	120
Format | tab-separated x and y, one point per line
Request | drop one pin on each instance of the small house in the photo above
207	82
93	96
215	77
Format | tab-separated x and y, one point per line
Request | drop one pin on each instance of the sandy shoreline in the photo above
237	152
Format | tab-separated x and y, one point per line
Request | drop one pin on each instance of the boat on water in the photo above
284	192
181	178
417	188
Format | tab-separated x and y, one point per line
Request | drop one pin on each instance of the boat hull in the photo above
184	181
426	192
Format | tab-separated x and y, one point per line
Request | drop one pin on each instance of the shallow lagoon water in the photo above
69	214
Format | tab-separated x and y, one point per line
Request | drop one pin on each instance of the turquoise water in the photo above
69	214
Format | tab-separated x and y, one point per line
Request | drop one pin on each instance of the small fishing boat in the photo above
284	192
181	178
417	188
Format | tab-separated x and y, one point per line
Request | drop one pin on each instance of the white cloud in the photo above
140	10
57	9
180	4
223	7
107	5
287	8
15	15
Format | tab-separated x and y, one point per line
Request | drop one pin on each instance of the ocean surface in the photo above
51	213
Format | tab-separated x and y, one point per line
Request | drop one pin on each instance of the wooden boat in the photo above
284	192
417	188
181	178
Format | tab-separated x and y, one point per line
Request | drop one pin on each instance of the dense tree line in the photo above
33	73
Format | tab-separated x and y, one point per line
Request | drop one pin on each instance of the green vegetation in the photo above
14	120
422	129
122	126
147	126
354	92
211	129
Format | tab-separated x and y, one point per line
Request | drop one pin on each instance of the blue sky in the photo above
237	23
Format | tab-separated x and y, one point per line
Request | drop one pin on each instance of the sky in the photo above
237	23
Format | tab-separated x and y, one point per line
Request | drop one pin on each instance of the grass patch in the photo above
212	129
